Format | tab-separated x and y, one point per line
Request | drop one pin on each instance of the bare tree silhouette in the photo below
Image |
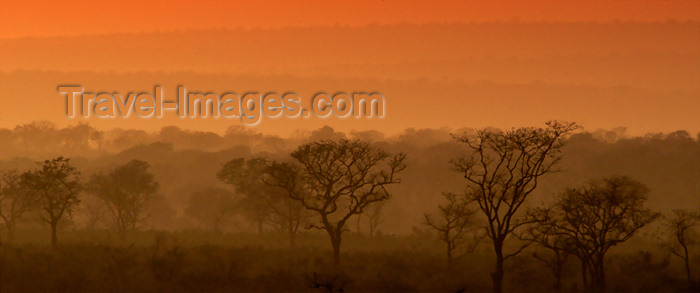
263	202
15	200
287	214
375	217
337	179
452	222
284	179
57	183
597	217
551	238
126	191
682	224
502	169
246	178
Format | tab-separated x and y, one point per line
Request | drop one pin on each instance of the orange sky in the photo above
22	18
547	60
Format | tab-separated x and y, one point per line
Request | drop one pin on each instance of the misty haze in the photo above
178	210
505	146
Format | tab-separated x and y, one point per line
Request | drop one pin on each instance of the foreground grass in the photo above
203	262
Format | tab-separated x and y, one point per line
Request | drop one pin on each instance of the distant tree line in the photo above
54	189
327	183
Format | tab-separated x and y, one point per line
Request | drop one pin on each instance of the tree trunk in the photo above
260	227
497	275
557	276
335	242
601	273
598	274
11	232
560	260
584	274
687	266
54	238
449	256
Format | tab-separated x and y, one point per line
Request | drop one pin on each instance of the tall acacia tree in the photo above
336	179
284	180
126	191
246	178
375	217
14	200
57	185
597	217
682	225
451	222
502	169
551	238
287	214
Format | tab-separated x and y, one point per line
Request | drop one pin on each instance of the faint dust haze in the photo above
350	146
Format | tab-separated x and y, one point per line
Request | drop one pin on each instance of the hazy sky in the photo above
604	64
75	17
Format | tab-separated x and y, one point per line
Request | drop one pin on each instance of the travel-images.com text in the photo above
250	107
